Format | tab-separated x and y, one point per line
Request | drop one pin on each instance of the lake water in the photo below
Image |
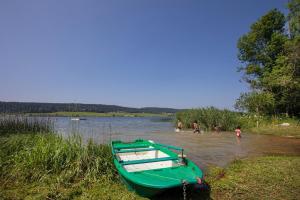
204	149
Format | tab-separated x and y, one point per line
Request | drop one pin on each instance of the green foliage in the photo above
259	47
271	64
256	102
57	168
225	120
209	118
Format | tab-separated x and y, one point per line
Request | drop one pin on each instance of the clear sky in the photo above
165	53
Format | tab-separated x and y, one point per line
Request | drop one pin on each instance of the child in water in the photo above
179	126
238	131
196	127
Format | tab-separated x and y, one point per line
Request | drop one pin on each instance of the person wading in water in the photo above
179	126
196	127
238	132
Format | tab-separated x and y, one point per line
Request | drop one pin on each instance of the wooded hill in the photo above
32	107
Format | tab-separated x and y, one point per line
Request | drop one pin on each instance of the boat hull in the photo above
153	180
140	189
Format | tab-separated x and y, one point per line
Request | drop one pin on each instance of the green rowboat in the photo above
149	168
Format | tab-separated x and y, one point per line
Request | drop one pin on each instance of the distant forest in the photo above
30	107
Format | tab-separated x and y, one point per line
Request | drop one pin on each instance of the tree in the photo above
271	60
259	48
256	102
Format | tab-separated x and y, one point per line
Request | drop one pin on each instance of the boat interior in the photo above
142	159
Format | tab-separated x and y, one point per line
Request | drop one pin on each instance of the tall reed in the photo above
209	118
23	124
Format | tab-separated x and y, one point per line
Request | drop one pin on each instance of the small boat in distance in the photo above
149	168
77	119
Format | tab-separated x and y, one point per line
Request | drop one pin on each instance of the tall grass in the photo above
34	156
49	161
23	124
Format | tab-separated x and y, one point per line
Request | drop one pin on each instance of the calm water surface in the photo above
204	149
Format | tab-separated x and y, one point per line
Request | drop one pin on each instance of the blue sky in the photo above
165	53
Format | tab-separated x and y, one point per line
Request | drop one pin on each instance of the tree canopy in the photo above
270	55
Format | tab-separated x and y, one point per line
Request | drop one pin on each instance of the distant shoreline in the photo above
95	114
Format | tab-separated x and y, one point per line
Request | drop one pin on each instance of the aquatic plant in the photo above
23	124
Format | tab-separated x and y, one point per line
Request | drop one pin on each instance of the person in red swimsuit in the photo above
238	131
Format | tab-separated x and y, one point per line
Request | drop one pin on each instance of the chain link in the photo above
184	189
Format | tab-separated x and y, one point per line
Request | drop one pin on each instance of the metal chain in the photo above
184	189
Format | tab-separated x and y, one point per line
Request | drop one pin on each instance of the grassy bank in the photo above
46	166
95	114
257	178
288	131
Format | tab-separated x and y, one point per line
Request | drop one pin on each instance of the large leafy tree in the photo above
259	48
270	59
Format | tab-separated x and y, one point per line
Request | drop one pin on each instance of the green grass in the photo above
95	114
46	166
289	131
268	177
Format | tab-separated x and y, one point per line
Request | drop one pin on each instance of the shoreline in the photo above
36	179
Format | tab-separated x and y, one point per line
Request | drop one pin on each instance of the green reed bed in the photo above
46	166
22	124
211	118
